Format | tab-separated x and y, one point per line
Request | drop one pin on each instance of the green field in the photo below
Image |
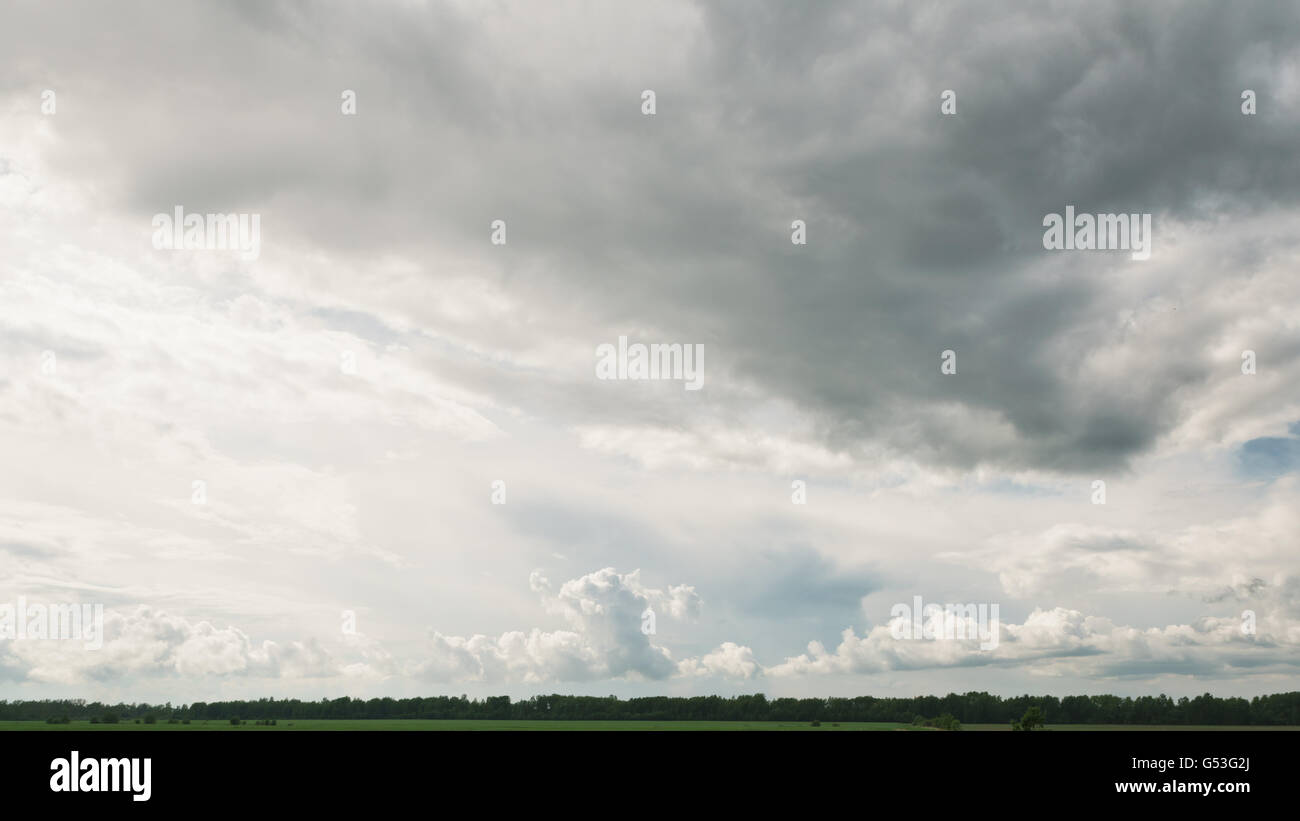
286	725
423	724
1139	727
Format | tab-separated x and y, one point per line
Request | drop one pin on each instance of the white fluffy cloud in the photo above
730	660
605	610
1059	641
148	643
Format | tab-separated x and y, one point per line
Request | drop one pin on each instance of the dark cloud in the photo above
924	230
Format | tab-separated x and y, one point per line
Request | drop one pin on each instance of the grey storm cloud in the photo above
924	230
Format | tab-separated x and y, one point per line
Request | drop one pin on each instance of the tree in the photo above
947	722
1031	720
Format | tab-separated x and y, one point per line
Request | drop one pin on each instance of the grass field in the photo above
1135	727
284	725
422	724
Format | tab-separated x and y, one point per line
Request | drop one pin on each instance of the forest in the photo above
968	708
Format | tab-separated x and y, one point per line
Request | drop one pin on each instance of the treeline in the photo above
968	708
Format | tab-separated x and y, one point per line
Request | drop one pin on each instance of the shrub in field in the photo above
234	721
1031	720
947	722
943	722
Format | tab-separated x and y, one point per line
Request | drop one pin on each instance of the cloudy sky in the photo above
276	474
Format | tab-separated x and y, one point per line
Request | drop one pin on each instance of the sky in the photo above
375	453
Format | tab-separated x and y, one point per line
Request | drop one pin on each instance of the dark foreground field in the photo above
485	724
429	724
